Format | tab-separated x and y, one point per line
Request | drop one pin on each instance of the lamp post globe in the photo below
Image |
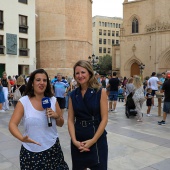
94	62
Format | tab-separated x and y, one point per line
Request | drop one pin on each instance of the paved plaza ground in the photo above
132	145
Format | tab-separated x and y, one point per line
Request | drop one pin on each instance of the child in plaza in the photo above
121	94
2	98
149	101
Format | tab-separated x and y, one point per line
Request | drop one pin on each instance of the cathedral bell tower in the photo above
63	34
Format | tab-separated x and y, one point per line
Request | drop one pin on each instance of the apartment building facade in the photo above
105	34
17	37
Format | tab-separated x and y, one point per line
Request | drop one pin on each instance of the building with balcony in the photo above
17	37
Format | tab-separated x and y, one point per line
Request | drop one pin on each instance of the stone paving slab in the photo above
132	145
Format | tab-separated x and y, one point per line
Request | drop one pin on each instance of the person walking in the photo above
149	100
129	87
20	84
162	79
107	82
40	143
113	95
121	92
60	87
103	82
87	119
145	85
153	84
6	90
166	106
138	97
2	98
68	92
125	80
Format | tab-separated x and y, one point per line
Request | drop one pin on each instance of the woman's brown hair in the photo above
93	83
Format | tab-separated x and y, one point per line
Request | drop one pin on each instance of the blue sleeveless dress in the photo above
87	120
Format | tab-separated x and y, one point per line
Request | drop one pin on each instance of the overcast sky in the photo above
109	8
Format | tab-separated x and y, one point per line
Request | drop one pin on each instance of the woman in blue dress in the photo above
87	119
2	98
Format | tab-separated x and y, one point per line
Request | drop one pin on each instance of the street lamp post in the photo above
141	67
94	61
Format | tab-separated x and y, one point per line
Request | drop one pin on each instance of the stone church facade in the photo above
63	34
145	37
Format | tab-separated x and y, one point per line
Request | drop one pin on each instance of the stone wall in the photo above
64	34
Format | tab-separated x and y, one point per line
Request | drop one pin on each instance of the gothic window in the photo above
135	26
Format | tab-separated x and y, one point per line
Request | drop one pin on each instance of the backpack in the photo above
17	94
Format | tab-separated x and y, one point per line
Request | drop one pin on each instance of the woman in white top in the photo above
40	144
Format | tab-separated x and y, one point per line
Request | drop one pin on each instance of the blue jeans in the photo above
113	95
166	107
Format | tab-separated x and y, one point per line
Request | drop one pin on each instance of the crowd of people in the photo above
88	97
119	88
8	86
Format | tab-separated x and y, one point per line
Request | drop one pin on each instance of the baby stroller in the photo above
130	106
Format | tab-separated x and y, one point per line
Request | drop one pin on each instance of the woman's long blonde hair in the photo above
20	81
93	83
137	82
130	80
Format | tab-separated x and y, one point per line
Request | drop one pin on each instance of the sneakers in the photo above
139	120
2	110
114	111
149	115
161	122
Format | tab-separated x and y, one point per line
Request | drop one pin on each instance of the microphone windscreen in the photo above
46	102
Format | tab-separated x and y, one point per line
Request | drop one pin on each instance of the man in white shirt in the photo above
153	84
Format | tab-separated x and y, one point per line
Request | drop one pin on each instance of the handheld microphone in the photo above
47	104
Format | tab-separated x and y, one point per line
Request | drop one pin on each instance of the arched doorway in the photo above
135	69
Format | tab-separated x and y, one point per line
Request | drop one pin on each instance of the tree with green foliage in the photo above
105	64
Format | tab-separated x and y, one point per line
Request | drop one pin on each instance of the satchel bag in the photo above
17	94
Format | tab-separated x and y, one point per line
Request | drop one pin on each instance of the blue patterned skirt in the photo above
50	159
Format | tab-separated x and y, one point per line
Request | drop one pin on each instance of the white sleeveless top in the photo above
36	126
